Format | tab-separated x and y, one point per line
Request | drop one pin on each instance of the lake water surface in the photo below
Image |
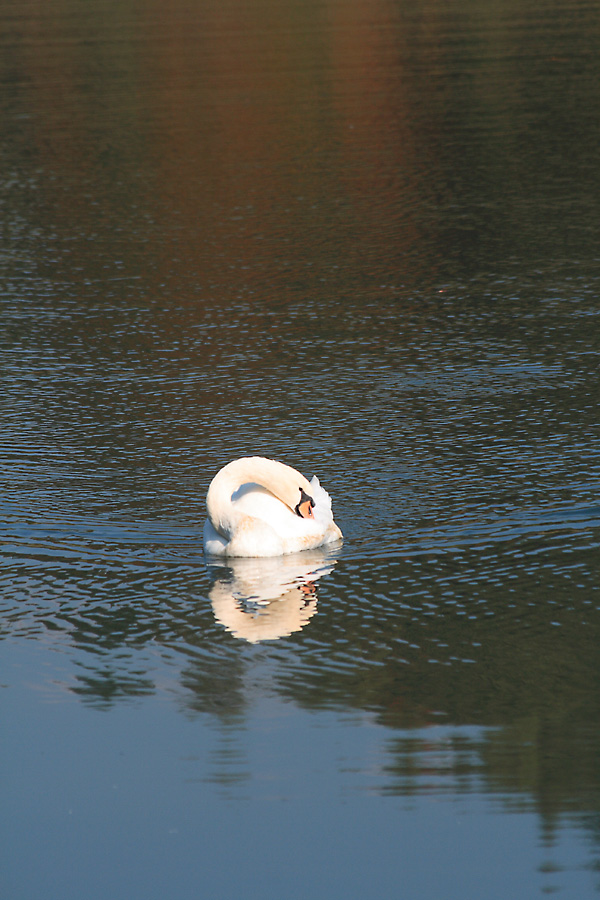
363	238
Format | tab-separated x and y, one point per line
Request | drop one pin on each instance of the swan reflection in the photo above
262	599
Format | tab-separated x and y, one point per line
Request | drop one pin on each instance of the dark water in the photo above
362	237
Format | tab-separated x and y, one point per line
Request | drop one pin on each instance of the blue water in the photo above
149	798
363	239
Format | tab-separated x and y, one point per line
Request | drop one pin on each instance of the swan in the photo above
262	507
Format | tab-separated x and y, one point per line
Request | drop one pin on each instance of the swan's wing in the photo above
259	503
322	508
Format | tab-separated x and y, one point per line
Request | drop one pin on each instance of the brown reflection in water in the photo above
255	146
532	764
250	141
266	147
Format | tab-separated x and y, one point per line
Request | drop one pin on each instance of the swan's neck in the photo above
282	481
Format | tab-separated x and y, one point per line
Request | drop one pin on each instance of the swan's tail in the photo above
322	508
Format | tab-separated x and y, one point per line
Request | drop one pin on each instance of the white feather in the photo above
251	511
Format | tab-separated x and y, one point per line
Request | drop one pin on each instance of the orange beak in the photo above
305	510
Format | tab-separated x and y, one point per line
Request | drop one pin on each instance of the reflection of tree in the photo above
554	760
107	685
408	639
215	684
421	641
415	643
547	766
111	635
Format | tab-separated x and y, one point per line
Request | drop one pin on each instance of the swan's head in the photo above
304	507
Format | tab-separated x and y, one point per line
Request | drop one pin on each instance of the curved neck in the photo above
282	481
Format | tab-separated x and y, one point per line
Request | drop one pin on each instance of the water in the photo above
362	238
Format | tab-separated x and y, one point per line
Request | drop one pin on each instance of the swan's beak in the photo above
305	509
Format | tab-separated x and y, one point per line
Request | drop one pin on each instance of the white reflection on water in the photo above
268	598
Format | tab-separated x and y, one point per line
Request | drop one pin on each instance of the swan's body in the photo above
261	507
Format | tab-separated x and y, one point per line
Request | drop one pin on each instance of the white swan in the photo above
261	507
